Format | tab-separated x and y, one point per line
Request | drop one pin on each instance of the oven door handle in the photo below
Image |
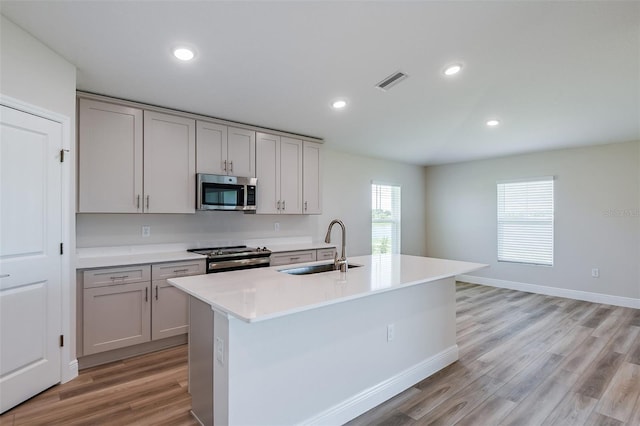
221	266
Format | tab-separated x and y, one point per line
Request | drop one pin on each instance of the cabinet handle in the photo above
179	271
119	278
283	205
295	258
147	202
278	207
305	206
5	275
138	202
231	166
224	166
156	292
146	294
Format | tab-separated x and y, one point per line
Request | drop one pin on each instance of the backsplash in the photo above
100	230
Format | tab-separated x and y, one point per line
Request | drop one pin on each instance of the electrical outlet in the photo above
220	350
146	231
276	226
595	273
391	332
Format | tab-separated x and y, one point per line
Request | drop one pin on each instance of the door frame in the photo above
68	360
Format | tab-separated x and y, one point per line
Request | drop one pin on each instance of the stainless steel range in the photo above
222	259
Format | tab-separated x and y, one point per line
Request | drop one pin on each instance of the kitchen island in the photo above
269	348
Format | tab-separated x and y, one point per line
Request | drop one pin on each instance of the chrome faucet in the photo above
342	262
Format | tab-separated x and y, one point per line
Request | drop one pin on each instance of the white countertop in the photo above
254	295
106	257
134	259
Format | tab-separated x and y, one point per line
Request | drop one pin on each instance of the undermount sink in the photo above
313	269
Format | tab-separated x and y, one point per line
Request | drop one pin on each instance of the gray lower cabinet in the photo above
301	256
116	316
170	311
126	306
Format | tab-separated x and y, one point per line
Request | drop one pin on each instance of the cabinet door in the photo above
241	153
109	158
311	179
116	316
170	310
211	148
291	175
267	171
169	163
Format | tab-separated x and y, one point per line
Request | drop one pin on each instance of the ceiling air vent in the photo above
391	81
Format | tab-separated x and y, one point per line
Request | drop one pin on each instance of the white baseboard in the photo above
377	394
71	372
627	302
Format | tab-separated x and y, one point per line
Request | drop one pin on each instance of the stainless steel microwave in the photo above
219	192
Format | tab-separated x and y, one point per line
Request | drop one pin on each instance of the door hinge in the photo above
62	151
61	248
61	340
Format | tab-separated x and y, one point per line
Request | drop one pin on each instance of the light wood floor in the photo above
525	359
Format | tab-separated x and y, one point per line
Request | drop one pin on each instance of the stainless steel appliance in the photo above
222	259
219	192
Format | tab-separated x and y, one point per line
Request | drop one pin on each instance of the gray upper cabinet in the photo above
122	171
223	150
279	172
311	178
109	158
145	160
241	152
169	163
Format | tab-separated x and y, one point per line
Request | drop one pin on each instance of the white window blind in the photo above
525	221
385	219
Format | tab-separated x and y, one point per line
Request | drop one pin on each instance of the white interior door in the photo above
30	261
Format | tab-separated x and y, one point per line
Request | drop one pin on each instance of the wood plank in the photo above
461	403
541	402
530	377
523	357
635	414
594	320
622	393
600	373
387	413
622	340
634	352
573	410
597	419
490	412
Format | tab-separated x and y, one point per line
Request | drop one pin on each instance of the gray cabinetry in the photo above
134	161
170	305
125	306
302	256
225	150
117	308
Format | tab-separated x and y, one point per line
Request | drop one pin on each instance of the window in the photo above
385	219
525	221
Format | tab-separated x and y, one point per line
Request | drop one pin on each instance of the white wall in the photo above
32	73
597	216
346	195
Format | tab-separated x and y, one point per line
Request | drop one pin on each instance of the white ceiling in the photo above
557	74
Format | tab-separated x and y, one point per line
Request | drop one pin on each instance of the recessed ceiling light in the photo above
339	104
493	122
452	69
183	53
